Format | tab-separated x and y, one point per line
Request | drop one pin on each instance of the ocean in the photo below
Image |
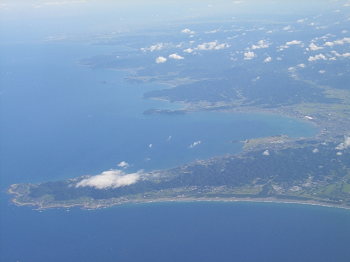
59	121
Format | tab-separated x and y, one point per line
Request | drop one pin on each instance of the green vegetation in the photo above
298	173
274	167
346	188
329	189
273	90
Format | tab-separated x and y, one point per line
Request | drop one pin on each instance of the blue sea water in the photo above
59	121
177	232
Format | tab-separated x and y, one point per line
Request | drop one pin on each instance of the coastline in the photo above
327	132
183	200
93	204
136	199
106	203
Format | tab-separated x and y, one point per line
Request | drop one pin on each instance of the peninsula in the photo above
231	72
304	171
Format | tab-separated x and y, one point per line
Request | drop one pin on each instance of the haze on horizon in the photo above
21	20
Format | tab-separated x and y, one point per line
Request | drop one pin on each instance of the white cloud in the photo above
302	20
341	55
221	46
268	59
287	27
322	71
211	45
195	144
232	37
207	46
237	2
322	27
346	40
156	47
339	42
344	145
152	48
150	145
329	44
315	150
279	58
266	153
261	44
317	57
110	179
160	60
249	55
314	47
294	42
339	153
176	56
123	164
180	45
168	138
301	65
212	32
344	31
346	5
292	69
269	32
187	31
188	50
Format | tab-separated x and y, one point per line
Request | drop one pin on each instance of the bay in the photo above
59	121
